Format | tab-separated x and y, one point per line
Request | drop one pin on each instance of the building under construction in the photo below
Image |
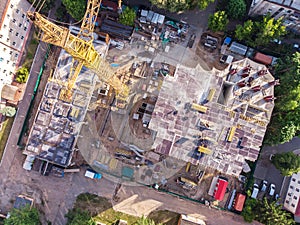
58	122
217	119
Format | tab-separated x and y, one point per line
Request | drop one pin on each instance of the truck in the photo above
92	174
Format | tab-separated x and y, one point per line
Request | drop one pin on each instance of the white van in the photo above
255	191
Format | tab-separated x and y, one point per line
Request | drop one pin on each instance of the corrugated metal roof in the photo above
238	48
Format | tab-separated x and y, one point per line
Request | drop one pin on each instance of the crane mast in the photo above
81	50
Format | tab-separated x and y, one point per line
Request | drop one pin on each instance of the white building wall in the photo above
293	194
14	31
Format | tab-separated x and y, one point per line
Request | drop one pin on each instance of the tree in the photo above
271	213
23	216
180	5
288	163
245	32
8	111
268	29
285	122
248	212
146	221
202	4
218	21
236	9
79	217
76	8
47	5
22	75
127	17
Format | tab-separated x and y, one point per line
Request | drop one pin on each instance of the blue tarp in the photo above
227	41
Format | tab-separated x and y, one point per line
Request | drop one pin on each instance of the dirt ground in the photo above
211	56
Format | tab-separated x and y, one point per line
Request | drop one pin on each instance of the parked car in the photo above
255	191
272	189
264	185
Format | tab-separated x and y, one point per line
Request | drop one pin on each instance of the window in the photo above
11	5
14	43
25	28
295	197
10	52
1	35
7	62
293	205
16	55
14	20
297	189
4	49
22	37
4	71
4	25
17	34
13	65
287	201
1	59
293	179
290	194
7	39
10	73
298	182
8	15
291	187
20	24
17	11
23	15
10	30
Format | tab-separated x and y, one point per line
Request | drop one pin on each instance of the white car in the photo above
255	191
272	189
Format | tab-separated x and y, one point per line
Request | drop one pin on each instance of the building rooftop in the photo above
220	133
289	3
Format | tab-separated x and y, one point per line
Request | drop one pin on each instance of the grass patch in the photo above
101	210
110	217
165	217
4	133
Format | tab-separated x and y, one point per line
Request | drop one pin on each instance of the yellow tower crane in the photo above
81	48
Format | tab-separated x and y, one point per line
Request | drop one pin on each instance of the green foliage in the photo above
79	217
269	29
271	213
8	111
236	9
146	221
248	212
285	122
48	4
22	75
202	4
218	21
61	13
127	17
288	163
181	5
260	33
76	8
23	216
244	33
